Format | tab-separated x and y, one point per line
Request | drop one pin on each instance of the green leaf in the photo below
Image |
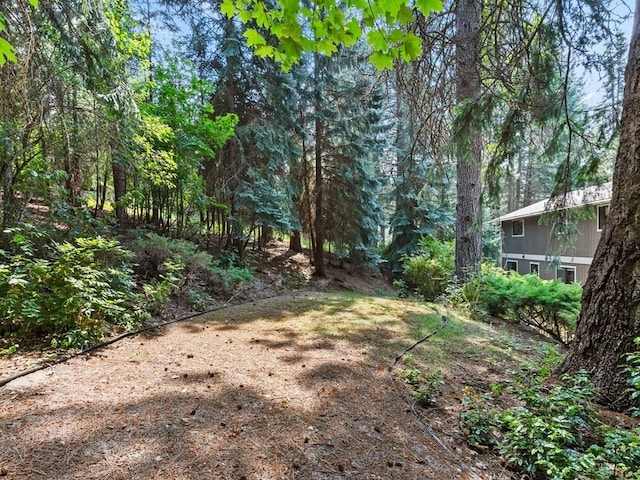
245	16
265	51
7	52
34	3
396	37
326	47
290	9
254	39
260	16
291	48
353	29
382	60
377	40
228	8
392	9
427	6
411	47
405	15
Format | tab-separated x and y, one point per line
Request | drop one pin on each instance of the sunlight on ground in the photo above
386	325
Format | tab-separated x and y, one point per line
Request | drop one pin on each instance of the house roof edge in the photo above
577	198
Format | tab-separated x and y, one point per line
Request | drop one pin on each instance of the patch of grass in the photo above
384	326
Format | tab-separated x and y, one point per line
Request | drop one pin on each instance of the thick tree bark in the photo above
318	250
468	252
610	317
295	242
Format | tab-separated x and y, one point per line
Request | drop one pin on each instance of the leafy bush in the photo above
154	252
553	432
429	272
71	294
229	278
158	291
550	306
477	421
172	264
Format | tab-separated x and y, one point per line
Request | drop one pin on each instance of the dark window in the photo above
567	274
603	212
534	268
517	228
511	265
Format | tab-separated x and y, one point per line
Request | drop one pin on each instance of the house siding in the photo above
536	242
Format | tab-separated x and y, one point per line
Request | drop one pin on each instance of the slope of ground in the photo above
296	386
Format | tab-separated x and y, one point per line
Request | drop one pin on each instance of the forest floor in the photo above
299	385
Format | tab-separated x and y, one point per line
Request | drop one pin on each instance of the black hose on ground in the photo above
422	422
113	340
445	321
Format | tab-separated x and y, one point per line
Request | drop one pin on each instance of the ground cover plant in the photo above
553	430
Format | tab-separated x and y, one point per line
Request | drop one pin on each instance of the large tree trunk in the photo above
318	250
295	242
119	181
468	252
610	317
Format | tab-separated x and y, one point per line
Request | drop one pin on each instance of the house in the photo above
527	241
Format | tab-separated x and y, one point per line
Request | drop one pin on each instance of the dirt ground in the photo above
244	393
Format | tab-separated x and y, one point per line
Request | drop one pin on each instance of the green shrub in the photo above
228	278
71	295
198	300
476	420
549	306
429	272
553	432
157	292
154	252
171	264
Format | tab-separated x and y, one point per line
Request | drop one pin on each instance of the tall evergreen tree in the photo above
468	81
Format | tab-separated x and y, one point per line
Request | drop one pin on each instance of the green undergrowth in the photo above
70	291
550	429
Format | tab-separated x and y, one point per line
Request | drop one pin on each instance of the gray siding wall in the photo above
537	238
537	241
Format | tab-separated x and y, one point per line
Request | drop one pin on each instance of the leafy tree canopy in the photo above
322	26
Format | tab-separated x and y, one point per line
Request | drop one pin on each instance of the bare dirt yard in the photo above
296	386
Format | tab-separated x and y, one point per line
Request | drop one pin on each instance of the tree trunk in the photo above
295	242
74	172
318	251
610	317
468	252
119	184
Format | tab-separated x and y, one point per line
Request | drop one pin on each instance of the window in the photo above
534	268
566	274
511	265
603	213
517	228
